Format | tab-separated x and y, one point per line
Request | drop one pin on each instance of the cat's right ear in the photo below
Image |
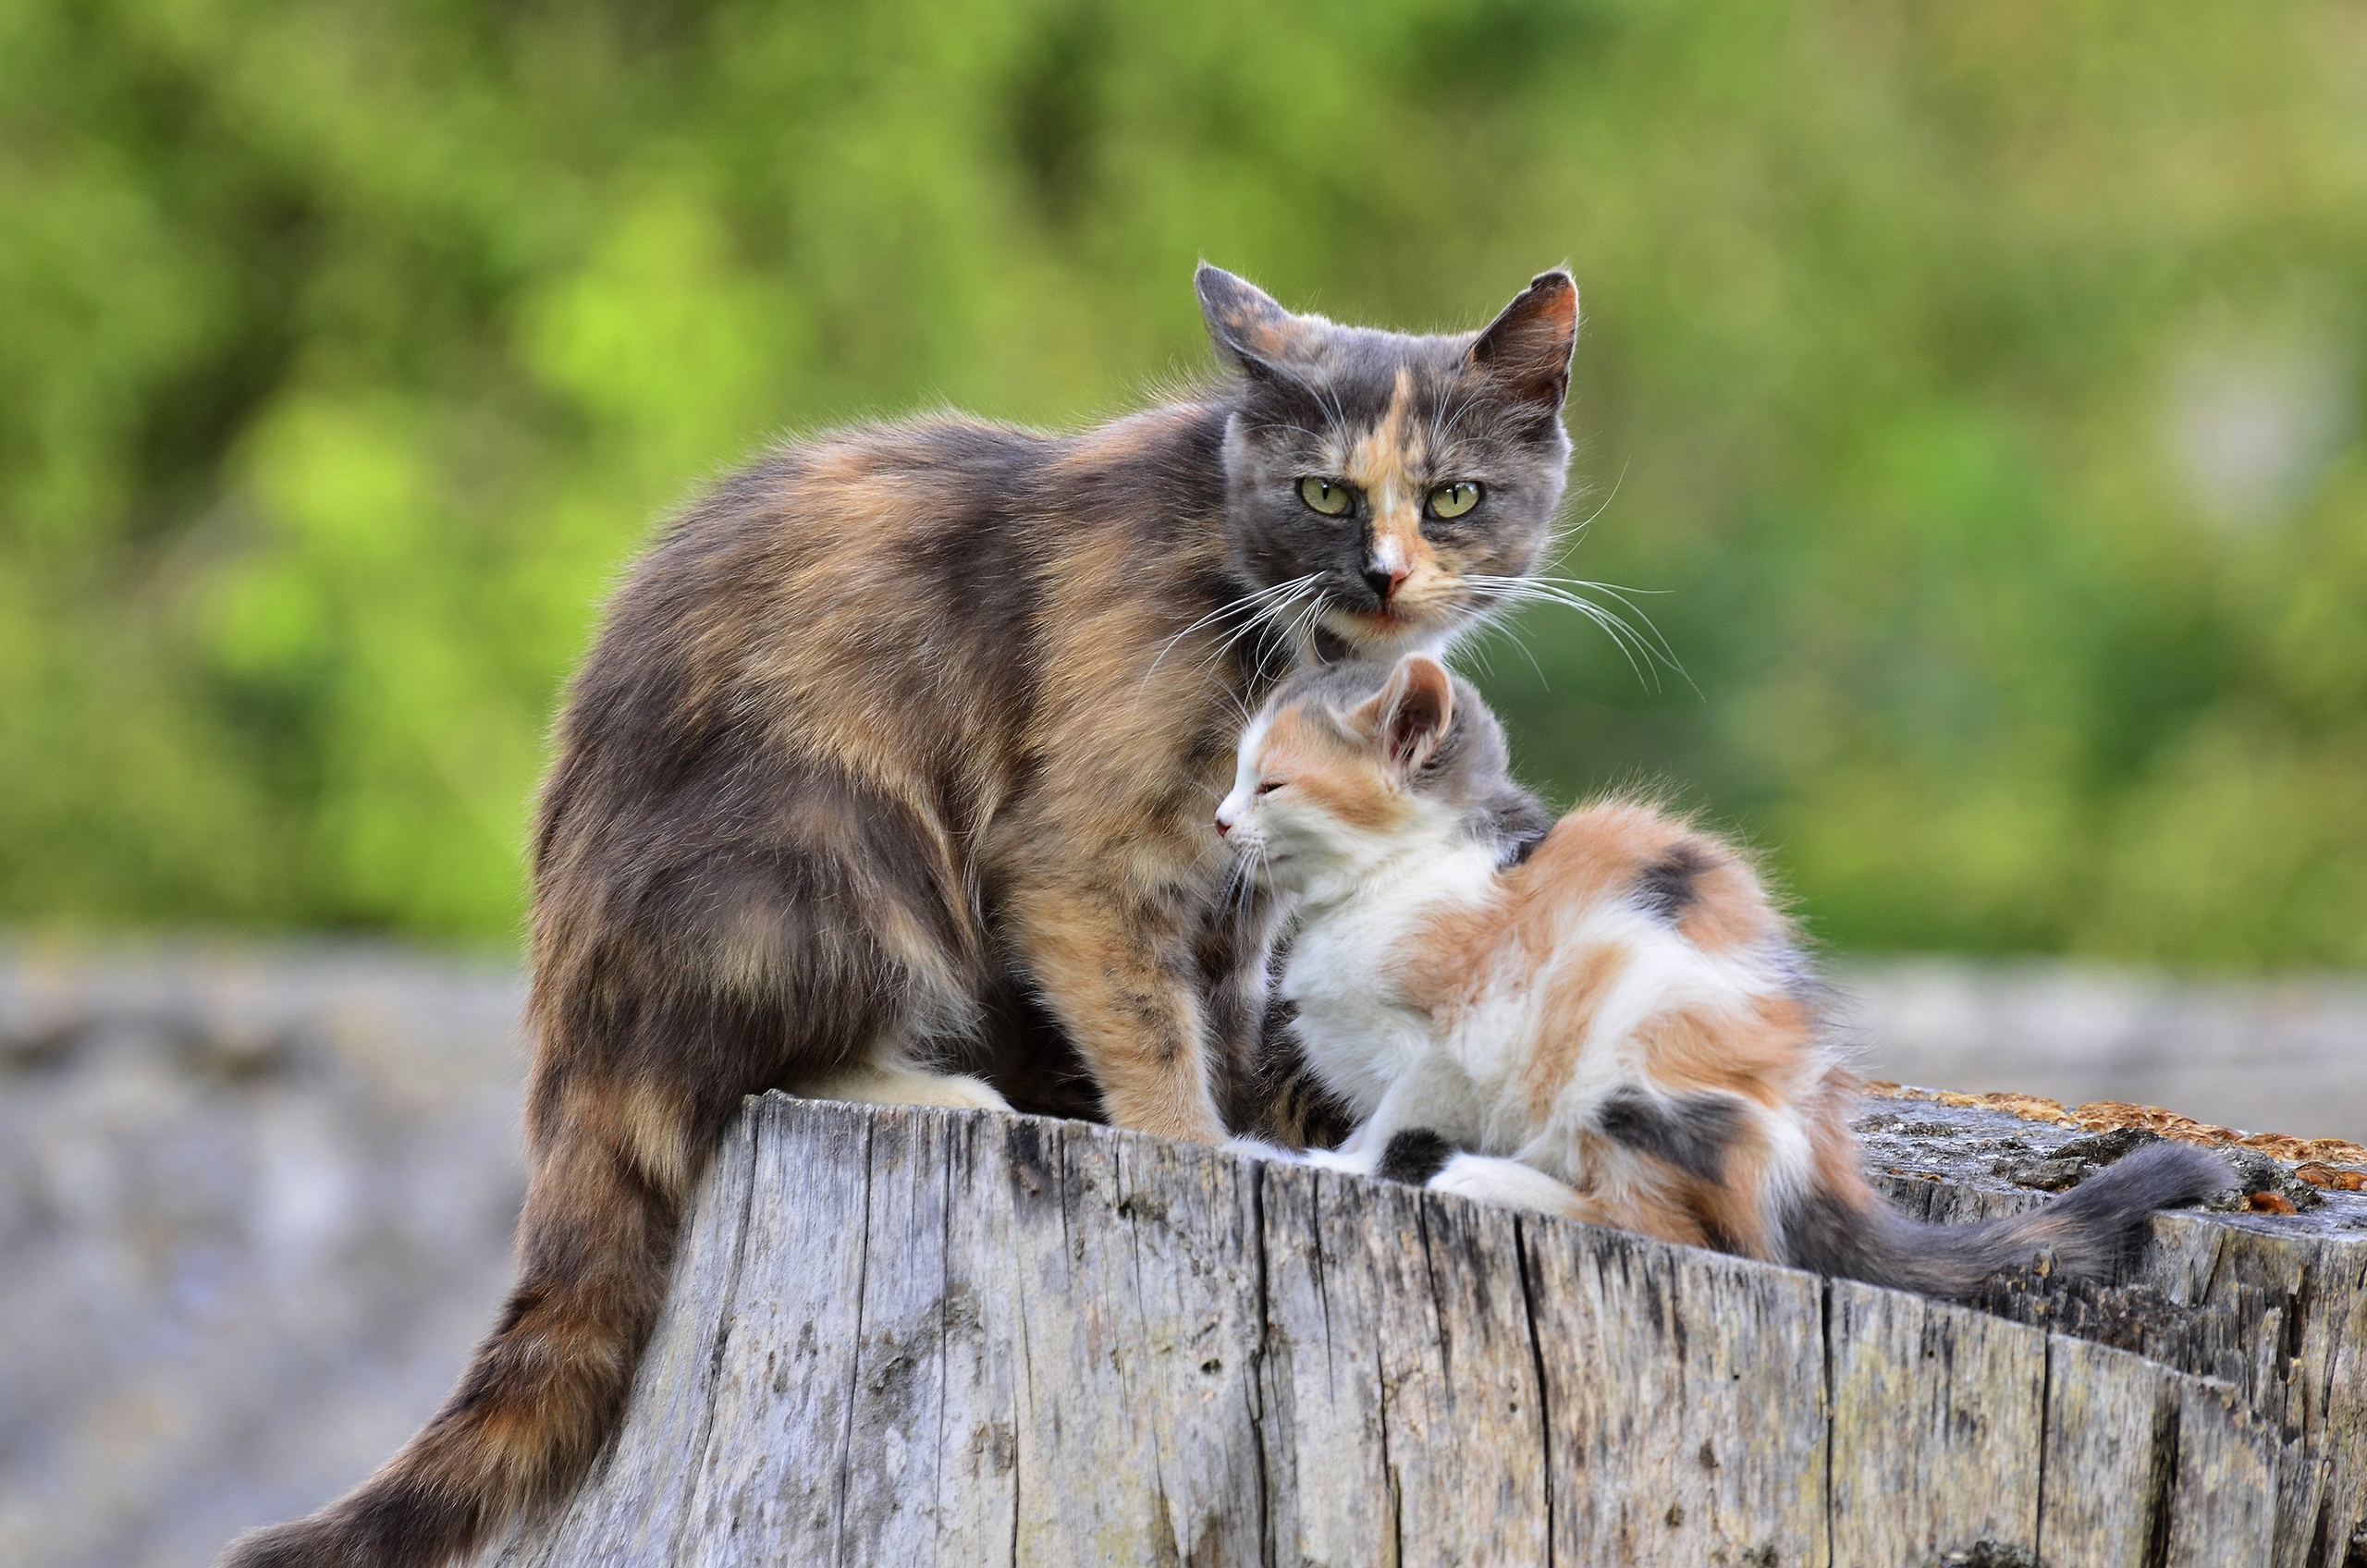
1245	323
1528	346
1417	706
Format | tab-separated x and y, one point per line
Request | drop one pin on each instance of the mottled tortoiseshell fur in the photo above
1615	1003
891	778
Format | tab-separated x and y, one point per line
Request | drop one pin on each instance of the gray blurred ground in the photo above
2267	1057
255	1202
254	1206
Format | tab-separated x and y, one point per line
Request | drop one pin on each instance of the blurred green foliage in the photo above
1977	382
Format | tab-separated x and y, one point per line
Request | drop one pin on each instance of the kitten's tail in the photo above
2091	1231
548	1384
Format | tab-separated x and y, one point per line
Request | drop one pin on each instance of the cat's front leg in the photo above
1116	968
1433	1095
1234	946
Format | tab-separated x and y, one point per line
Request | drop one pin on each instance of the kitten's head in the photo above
1353	765
1386	476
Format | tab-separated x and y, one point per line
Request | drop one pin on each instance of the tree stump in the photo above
901	1336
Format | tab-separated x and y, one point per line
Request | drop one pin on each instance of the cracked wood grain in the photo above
2278	1313
635	1508
1405	1410
1685	1396
1936	1424
928	1337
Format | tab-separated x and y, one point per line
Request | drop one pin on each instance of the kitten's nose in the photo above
1223	826
1383	580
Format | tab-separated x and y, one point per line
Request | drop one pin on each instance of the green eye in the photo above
1327	496
1453	500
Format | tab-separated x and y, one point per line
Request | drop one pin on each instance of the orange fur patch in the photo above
1650	1212
1594	851
1730	908
1444	962
1273	334
1694	1051
1607	848
1303	751
1735	1206
1386	464
1575	994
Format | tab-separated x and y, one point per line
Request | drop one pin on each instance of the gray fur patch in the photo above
1691	1133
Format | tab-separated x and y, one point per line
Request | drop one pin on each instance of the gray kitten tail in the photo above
2093	1230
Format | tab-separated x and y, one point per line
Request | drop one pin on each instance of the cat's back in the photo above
877	518
900	603
1623	859
938	544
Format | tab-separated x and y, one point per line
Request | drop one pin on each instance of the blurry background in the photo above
1975	392
1977	387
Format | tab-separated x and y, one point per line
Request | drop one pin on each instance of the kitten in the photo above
894	760
1615	1009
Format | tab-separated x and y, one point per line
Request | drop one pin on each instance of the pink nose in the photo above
1224	827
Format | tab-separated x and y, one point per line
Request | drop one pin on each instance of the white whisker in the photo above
1645	652
1568	538
1250	605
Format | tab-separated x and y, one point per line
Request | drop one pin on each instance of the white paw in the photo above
959	1091
1506	1183
1362	1164
1257	1148
870	1084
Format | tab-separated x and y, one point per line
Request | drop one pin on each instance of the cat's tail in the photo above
2091	1231
546	1386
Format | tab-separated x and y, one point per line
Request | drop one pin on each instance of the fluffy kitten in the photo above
894	760
1616	1004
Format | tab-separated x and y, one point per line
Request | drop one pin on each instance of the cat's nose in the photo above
1223	826
1383	580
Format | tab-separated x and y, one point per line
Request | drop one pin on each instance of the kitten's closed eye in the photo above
1269	786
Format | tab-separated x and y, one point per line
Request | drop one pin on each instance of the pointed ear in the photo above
1245	324
1528	346
1415	709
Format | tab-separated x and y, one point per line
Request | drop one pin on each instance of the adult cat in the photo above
896	755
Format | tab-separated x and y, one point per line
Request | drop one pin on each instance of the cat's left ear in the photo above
1246	324
1528	346
1417	706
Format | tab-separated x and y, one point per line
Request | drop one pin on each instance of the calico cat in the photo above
892	767
1613	1013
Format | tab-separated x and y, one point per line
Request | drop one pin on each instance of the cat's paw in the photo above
887	1083
959	1091
1366	1162
1505	1182
1258	1148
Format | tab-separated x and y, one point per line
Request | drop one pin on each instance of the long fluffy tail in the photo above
545	1388
2091	1231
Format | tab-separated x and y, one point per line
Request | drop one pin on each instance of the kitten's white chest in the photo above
1358	1029
1357	1037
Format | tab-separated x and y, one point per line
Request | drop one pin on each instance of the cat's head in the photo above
1375	481
1354	765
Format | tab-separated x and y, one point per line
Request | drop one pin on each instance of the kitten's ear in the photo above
1245	324
1417	706
1528	346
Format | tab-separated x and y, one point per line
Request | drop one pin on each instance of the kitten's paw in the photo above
1258	1148
1505	1182
1363	1163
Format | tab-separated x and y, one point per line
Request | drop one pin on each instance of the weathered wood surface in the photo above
2271	1306
917	1336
